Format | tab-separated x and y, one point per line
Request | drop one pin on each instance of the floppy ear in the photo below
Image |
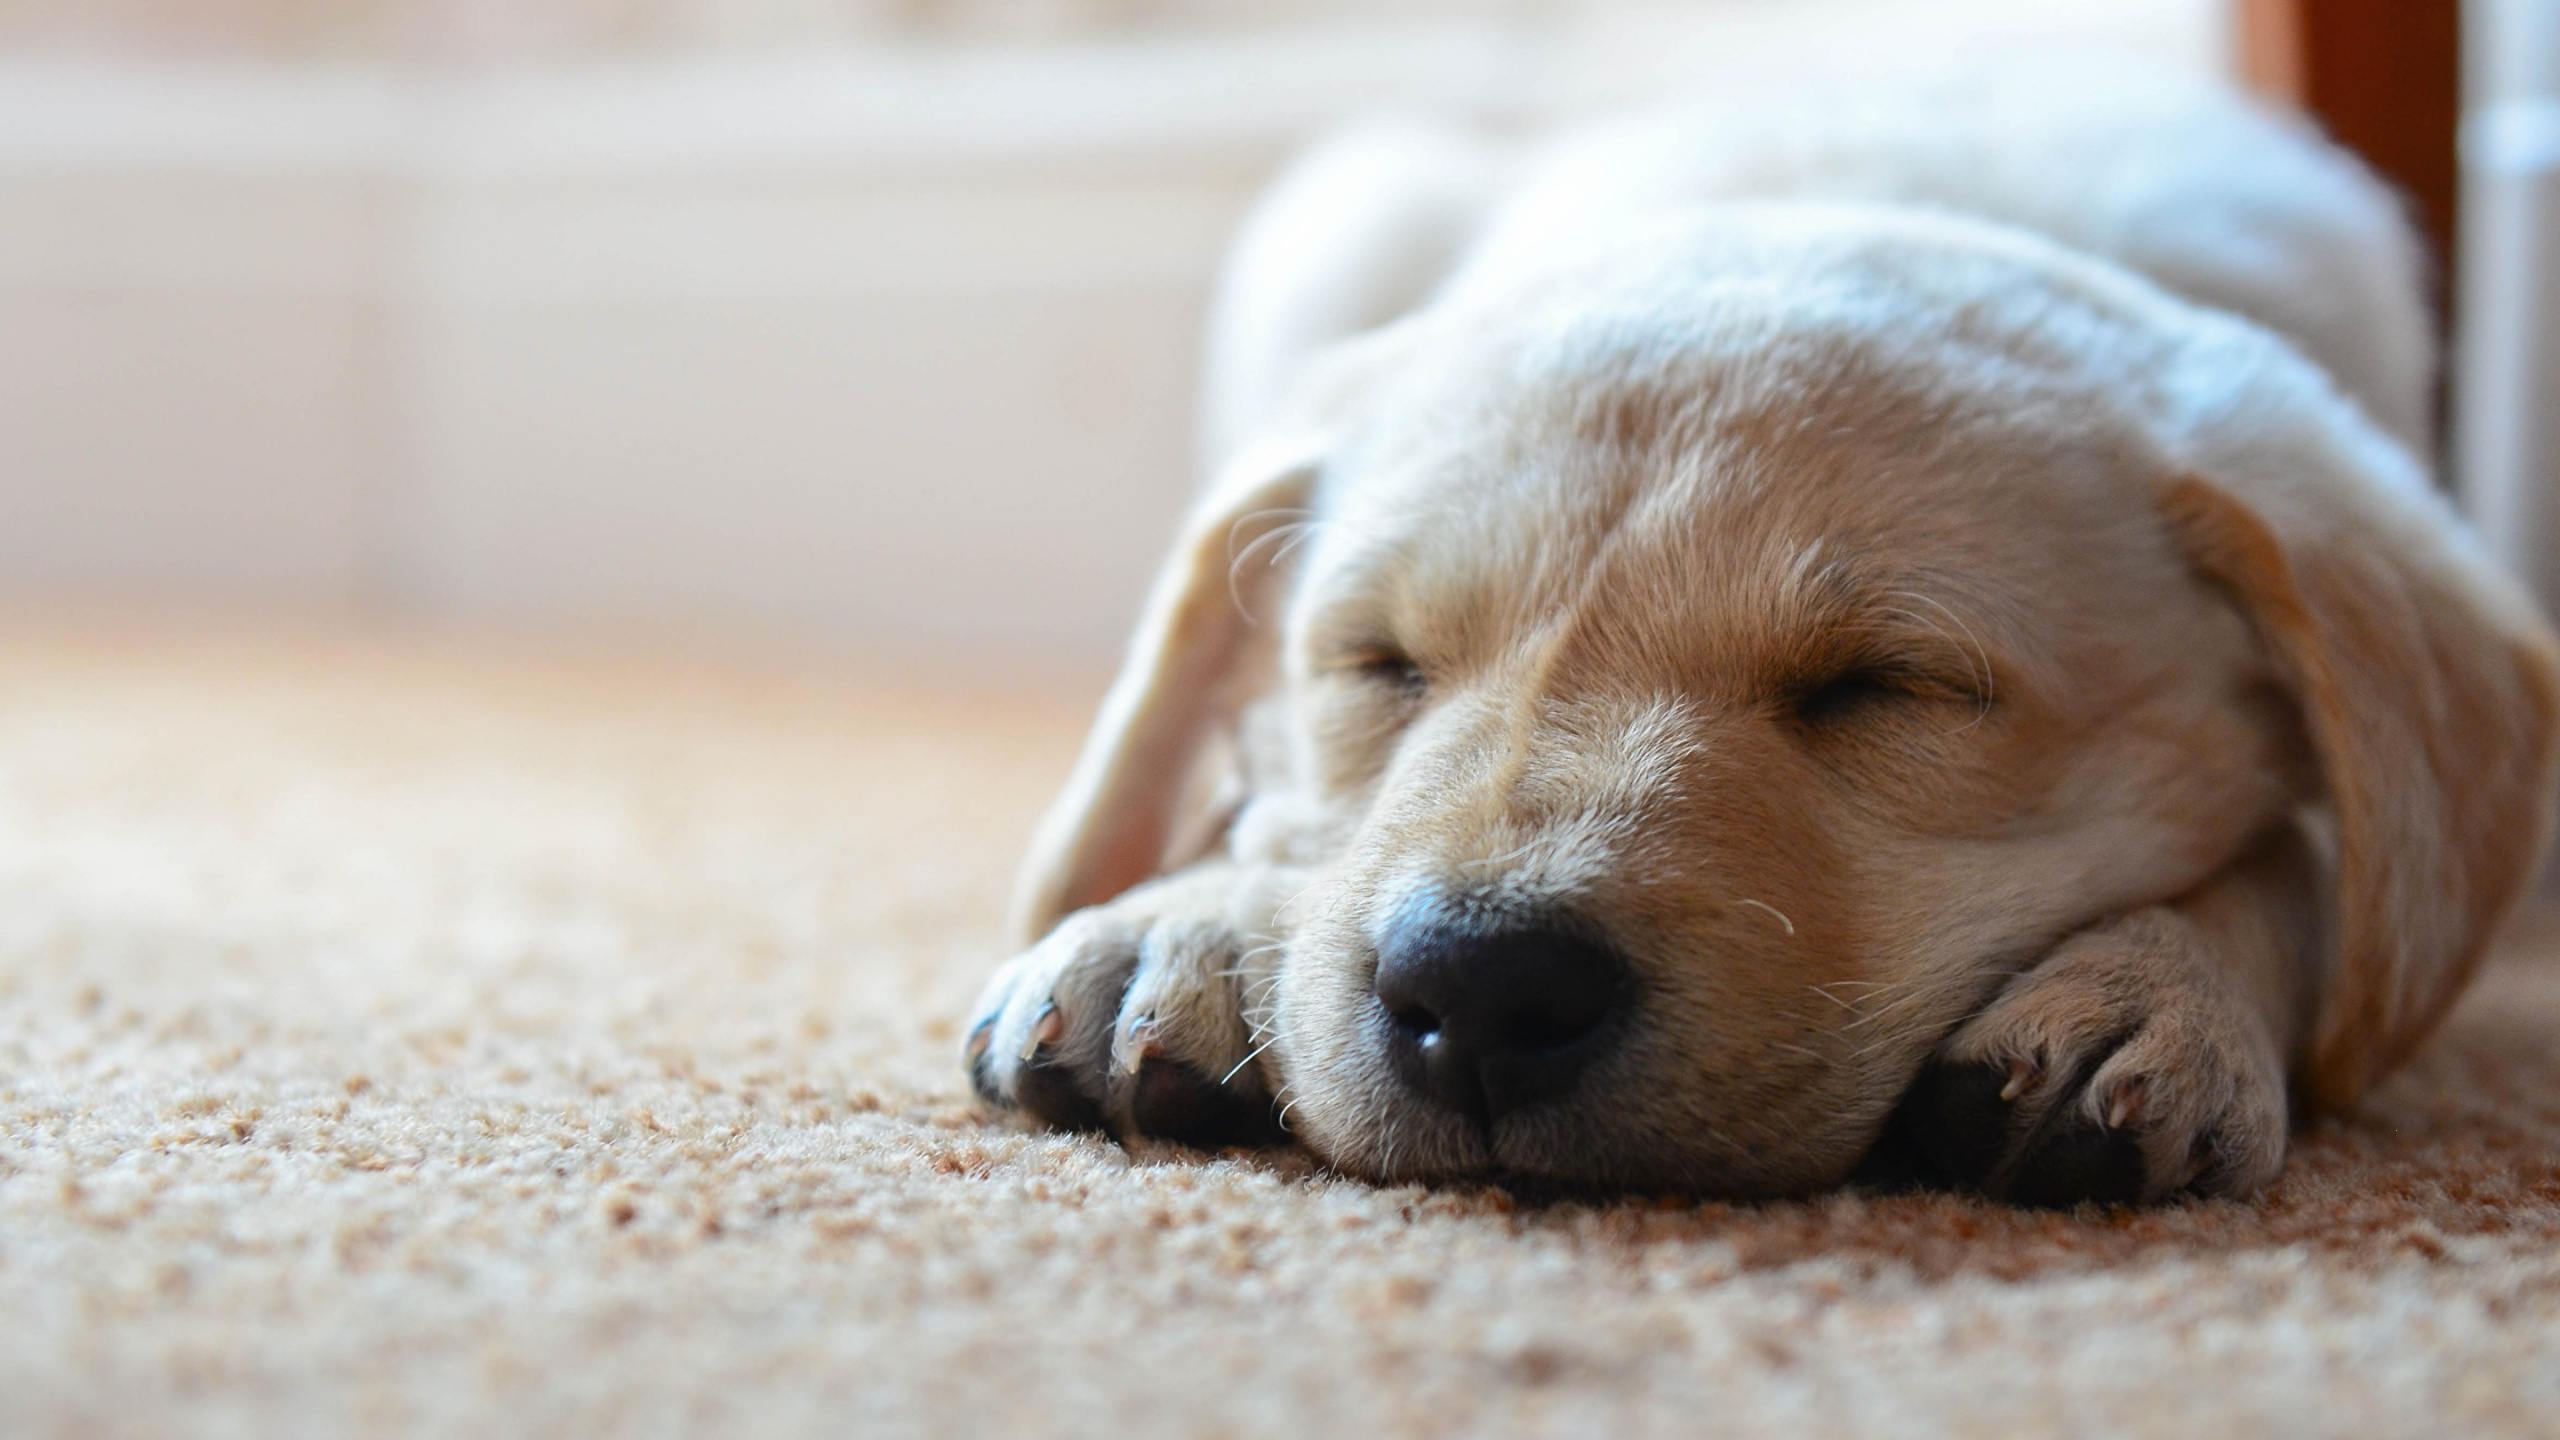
1203	646
2430	690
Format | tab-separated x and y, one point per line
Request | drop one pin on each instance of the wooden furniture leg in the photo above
2383	77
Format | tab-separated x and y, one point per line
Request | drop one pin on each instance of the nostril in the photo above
1536	1030
1489	1019
1415	1021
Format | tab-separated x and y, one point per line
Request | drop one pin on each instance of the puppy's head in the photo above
1709	675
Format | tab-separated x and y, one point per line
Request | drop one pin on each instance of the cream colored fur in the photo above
2066	422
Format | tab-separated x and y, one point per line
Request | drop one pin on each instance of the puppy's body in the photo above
2158	174
1741	634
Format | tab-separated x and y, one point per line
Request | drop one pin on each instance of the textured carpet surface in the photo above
397	1037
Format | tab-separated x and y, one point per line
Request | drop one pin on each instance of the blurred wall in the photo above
2506	434
666	316
570	29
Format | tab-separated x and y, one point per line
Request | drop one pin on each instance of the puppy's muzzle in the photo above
1486	1019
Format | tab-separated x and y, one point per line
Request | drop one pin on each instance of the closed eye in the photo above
1392	669
1848	696
1858	693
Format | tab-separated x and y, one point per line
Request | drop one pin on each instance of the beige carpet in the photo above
400	1037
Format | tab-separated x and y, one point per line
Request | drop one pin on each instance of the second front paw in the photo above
2122	1069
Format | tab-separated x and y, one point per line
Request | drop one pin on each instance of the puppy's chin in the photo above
1642	1120
1341	1094
1369	1130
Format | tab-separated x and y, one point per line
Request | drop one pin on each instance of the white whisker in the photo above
1237	556
1772	909
1825	992
1869	1019
1976	655
1247	1060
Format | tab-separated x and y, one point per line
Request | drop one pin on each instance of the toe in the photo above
1953	1125
1051	1091
1045	1037
2074	1160
1173	1101
1994	1127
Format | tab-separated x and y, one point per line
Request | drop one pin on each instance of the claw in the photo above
1137	1046
2022	1077
2126	1106
979	1038
1045	1030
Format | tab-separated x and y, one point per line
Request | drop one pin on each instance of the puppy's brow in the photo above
1806	569
1975	653
1842	619
1354	631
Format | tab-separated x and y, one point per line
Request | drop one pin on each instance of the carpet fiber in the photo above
422	1038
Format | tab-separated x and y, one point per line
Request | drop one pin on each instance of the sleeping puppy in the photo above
1729	646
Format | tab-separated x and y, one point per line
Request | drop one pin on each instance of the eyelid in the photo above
1900	673
1378	663
1918	665
1884	677
1362	655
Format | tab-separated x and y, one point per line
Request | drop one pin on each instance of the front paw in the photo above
1130	1017
2121	1069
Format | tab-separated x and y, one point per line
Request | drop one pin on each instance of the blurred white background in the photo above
866	324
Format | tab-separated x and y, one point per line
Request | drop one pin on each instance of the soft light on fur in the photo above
1937	582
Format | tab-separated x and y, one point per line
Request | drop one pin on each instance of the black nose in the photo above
1488	1019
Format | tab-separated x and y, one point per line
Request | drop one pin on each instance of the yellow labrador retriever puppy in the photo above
1910	624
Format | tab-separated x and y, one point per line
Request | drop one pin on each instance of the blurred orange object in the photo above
2383	76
